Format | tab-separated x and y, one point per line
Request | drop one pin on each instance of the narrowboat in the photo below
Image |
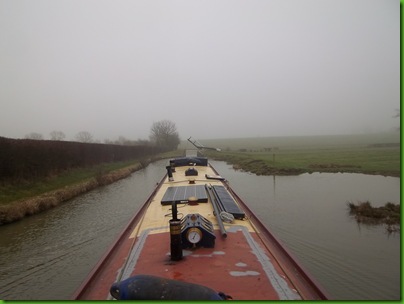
195	239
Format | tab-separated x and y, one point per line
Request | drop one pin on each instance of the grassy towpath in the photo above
17	191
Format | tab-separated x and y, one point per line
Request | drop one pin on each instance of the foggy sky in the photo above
217	68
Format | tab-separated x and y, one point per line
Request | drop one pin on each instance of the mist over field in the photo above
217	69
300	142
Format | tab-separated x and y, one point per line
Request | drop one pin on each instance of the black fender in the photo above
147	287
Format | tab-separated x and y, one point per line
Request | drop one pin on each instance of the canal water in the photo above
48	255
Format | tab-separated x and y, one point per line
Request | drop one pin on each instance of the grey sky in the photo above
217	68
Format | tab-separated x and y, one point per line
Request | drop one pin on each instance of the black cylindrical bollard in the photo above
170	173
175	236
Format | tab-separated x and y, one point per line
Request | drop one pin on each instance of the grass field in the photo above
367	153
298	142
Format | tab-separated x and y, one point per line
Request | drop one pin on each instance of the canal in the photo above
48	255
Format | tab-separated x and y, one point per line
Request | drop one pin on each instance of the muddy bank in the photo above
264	169
18	210
260	167
389	214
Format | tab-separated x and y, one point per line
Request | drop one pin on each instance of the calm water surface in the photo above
47	256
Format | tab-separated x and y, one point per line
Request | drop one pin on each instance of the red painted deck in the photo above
233	267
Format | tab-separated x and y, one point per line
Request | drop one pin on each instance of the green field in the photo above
298	142
367	153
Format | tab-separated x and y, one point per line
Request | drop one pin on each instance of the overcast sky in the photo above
216	68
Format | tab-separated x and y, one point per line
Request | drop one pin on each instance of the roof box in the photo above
189	161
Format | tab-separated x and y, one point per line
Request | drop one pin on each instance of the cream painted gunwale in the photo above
158	215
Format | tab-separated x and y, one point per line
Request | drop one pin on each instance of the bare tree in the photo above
142	142
122	141
84	137
164	134
57	135
397	115
34	135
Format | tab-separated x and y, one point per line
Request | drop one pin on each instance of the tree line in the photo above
162	133
84	137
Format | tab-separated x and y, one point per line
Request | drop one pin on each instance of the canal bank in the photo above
32	205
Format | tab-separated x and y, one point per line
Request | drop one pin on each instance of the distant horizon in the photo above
310	135
96	140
